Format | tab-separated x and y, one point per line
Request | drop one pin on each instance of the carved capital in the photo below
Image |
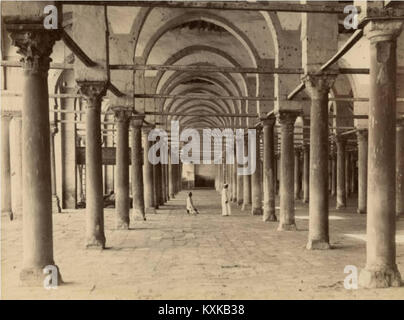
287	119
268	122
121	114
137	120
340	140
319	85
362	135
383	30
93	92
35	46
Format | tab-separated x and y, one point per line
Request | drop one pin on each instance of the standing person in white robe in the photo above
190	205
226	211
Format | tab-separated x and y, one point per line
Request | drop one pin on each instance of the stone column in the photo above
149	195
122	202
297	174
381	268
240	190
347	173
171	188
5	166
157	183
269	170
333	173
16	164
246	183
352	186
80	194
55	200
256	179
276	169
234	180
93	92
36	47
138	187
179	174
362	169
341	195
287	202
400	169
318	87
306	173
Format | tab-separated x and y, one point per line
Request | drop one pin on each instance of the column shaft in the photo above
5	167
400	169
138	187
297	174
269	170
256	179
36	47
287	202
122	202
16	165
93	93
306	173
381	268
362	170
318	87
341	193
149	195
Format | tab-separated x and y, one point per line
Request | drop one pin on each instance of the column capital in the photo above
268	121
383	30
35	46
319	84
287	117
339	139
306	147
362	134
137	120
121	114
93	92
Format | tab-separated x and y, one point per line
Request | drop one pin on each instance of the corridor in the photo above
176	256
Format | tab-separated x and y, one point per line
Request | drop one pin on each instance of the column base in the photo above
269	217
361	211
122	225
287	227
172	196
150	211
139	214
256	211
56	204
318	245
95	243
245	207
380	277
340	206
35	277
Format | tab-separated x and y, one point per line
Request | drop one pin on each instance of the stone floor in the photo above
175	256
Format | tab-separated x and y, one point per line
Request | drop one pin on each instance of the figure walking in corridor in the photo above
226	211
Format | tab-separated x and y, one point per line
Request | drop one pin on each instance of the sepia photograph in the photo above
202	155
